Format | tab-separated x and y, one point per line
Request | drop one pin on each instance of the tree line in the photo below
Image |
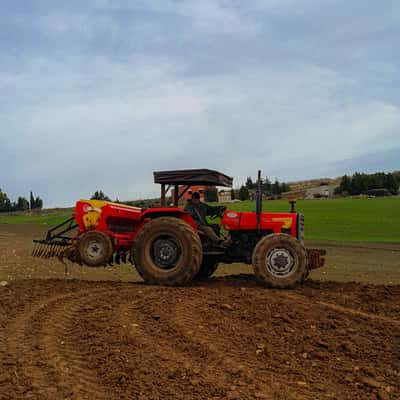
21	204
100	195
361	183
268	188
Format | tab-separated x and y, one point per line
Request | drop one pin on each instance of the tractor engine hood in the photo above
247	221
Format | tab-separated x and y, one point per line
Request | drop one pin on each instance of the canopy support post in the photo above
163	195
176	195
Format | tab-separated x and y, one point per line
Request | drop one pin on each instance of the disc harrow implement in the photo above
57	240
42	249
64	241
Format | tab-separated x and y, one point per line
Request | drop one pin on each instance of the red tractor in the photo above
168	248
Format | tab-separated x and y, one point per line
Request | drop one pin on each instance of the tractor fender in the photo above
152	213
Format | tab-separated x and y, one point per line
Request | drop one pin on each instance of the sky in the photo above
101	93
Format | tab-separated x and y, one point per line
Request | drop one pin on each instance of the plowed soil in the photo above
224	339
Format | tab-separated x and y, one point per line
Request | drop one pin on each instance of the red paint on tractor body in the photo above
247	221
123	223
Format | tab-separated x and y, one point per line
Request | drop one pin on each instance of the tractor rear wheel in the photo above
167	251
207	268
95	248
279	261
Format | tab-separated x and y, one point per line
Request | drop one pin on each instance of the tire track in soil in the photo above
189	325
118	341
341	309
41	338
247	363
172	346
175	358
238	364
260	370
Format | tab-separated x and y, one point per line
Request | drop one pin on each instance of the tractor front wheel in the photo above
167	251
279	261
95	248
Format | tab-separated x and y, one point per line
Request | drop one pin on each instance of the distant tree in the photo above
99	195
5	203
35	202
337	191
391	184
358	184
22	204
211	194
396	176
361	183
249	183
284	187
244	193
266	186
276	187
38	203
344	186
31	201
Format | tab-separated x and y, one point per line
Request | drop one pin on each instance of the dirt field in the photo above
102	334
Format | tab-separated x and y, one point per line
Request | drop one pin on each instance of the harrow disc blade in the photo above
35	249
41	250
47	250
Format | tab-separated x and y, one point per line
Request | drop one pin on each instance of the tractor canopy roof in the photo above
193	177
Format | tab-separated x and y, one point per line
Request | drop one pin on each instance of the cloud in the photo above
100	96
207	17
256	119
375	161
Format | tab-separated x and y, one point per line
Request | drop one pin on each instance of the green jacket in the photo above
200	211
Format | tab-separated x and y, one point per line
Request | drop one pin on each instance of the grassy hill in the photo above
302	185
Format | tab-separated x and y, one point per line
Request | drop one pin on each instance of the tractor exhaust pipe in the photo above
259	201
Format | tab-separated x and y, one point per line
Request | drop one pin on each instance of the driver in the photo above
199	211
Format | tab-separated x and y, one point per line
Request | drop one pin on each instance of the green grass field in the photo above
45	218
343	220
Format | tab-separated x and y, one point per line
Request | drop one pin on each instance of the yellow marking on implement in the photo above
287	222
91	219
92	216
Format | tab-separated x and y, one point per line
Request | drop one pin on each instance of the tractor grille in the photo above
300	228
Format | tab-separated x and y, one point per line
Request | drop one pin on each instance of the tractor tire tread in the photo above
81	255
191	267
258	260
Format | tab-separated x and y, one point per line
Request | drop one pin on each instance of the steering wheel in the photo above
218	213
